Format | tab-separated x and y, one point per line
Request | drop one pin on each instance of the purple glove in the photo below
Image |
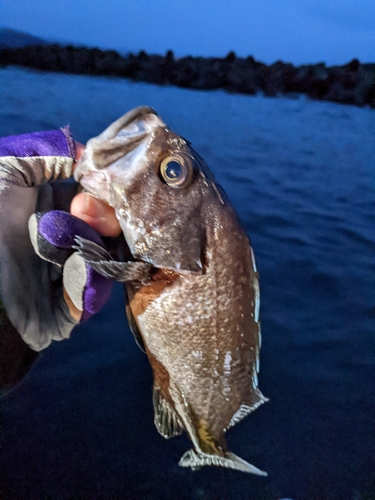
41	302
53	236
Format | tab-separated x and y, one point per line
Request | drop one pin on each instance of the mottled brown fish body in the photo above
198	314
202	332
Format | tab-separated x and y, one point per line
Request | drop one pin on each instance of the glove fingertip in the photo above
87	289
42	247
97	292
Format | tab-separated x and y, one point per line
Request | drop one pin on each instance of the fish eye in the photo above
172	170
176	171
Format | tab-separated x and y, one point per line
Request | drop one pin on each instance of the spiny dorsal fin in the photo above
100	260
166	419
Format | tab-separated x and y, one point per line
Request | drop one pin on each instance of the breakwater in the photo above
352	83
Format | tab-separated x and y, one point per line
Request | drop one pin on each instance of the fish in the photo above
192	287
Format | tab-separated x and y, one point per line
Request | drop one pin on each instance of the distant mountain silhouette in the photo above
10	38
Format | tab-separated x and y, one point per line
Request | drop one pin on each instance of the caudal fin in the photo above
230	461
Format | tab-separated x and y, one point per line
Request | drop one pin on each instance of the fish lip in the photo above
136	113
89	182
128	144
127	119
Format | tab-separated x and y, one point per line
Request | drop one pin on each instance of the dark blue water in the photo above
302	177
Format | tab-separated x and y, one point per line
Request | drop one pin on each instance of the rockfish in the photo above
193	292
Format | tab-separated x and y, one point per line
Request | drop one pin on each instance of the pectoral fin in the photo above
100	260
134	328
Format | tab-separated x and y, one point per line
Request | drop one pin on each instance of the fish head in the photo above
159	187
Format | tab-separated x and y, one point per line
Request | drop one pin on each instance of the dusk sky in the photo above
298	31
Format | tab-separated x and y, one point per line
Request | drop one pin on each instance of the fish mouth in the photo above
119	140
132	126
132	115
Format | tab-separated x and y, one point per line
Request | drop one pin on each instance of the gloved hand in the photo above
53	235
39	308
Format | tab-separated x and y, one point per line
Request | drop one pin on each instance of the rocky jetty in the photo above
352	83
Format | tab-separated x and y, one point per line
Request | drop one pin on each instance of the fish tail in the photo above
195	460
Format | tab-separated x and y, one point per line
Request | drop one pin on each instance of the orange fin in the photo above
134	328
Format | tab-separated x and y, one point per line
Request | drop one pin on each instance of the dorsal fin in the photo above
100	260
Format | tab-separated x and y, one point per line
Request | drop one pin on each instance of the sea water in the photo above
301	175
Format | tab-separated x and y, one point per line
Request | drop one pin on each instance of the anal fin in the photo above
166	419
229	461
